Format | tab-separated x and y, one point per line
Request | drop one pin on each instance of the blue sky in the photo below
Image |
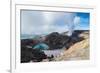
41	22
84	21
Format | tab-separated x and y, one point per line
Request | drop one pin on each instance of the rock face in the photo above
29	54
58	41
28	42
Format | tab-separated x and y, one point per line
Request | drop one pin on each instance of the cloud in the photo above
83	23
30	21
77	20
38	22
58	21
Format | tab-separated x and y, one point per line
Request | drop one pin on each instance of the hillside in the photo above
56	47
78	51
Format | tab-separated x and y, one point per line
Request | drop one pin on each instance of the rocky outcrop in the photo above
58	41
29	54
28	42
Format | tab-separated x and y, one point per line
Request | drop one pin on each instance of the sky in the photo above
43	22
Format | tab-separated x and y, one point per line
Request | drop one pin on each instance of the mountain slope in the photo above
78	51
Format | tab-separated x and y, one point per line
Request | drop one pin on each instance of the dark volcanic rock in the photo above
75	37
56	40
26	42
29	54
26	54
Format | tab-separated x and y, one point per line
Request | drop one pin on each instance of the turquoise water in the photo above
41	46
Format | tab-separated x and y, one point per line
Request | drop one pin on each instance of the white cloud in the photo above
51	18
44	22
77	20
